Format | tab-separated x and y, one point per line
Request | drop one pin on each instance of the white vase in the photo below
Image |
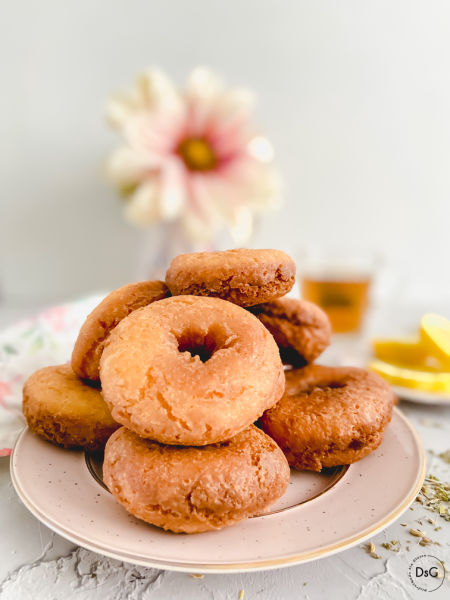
162	243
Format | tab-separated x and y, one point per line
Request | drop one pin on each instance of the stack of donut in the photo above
172	377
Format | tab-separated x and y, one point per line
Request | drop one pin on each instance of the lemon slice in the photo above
435	337
412	378
407	352
399	350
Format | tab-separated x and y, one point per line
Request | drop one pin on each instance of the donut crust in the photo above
329	416
244	277
102	320
301	329
62	409
190	490
189	370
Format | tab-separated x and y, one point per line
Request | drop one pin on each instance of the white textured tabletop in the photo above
40	565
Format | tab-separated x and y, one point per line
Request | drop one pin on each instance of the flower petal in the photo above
153	92
201	91
154	133
256	184
172	190
125	167
202	217
241	226
232	110
218	115
142	207
203	83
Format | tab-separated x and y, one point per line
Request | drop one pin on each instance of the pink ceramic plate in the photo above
319	515
420	396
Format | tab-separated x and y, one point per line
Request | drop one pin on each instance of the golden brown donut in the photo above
301	329
244	277
188	489
102	320
329	416
190	370
59	407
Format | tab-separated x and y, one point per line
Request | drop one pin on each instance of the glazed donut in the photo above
301	329
329	416
244	277
188	489
102	320
189	370
59	407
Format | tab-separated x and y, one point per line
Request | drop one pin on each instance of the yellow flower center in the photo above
197	154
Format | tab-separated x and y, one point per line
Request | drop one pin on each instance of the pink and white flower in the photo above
192	155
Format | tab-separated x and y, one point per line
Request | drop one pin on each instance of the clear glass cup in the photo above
340	281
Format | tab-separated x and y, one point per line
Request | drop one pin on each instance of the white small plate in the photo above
420	396
319	515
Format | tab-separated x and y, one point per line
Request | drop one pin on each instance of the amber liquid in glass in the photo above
344	300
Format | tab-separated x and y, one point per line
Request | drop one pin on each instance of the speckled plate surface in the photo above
320	514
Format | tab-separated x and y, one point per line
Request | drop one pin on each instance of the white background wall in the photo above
355	95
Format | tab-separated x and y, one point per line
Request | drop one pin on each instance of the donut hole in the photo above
204	344
335	385
329	385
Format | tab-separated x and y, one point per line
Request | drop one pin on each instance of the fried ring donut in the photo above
329	416
244	277
301	329
59	407
102	320
188	489
189	370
